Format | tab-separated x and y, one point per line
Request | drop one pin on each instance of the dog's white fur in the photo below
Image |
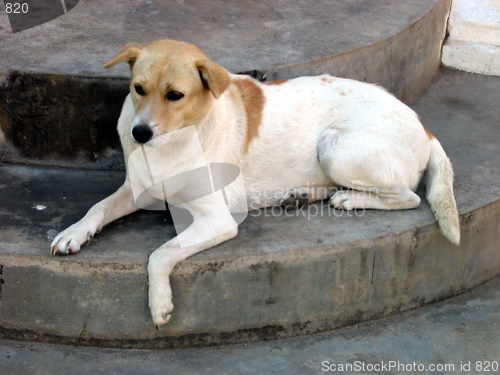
311	132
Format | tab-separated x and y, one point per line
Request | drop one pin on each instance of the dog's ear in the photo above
129	54
213	76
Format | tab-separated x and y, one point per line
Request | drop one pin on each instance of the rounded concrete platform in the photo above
284	275
52	80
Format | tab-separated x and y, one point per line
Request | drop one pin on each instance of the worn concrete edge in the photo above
471	57
86	266
471	313
274	330
204	339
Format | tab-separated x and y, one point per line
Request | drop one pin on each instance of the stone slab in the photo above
472	57
473	44
475	21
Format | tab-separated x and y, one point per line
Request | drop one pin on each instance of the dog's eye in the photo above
174	95
138	89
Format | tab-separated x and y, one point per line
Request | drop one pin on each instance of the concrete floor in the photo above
454	332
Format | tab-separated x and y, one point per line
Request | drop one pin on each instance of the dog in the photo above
289	137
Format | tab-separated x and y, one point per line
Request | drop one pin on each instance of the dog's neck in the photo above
220	132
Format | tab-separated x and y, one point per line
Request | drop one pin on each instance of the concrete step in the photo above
473	43
412	337
281	276
59	107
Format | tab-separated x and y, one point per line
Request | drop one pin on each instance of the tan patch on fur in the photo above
253	101
340	91
429	134
427	131
277	82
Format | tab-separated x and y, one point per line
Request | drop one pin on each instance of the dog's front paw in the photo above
161	307
71	239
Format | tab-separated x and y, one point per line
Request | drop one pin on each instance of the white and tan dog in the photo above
294	136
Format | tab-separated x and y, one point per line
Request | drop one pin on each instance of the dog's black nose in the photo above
142	133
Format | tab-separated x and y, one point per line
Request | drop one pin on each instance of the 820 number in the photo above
16	8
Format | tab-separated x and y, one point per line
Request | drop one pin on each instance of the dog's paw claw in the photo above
162	314
70	240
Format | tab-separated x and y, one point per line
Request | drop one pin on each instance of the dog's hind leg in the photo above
375	175
118	204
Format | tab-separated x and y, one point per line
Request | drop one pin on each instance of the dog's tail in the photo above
440	196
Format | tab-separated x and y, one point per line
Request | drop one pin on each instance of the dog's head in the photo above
172	85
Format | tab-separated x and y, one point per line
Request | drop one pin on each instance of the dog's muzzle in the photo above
142	133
